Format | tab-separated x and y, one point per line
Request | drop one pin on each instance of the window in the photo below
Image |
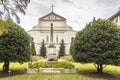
47	38
56	38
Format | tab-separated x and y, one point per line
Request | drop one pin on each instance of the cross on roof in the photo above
52	6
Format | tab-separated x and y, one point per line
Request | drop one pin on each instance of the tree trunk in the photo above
99	68
6	66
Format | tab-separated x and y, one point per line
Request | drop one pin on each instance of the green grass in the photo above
50	77
82	68
112	69
16	66
91	67
85	67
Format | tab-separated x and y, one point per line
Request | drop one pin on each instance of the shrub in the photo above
53	65
37	65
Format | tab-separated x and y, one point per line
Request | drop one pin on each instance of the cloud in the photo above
77	12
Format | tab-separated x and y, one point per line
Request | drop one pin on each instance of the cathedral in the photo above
61	31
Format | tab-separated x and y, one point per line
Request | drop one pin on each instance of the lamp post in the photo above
9	72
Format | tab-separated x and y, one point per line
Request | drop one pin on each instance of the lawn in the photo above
90	67
82	68
50	77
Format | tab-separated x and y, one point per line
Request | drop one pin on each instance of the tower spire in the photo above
52	6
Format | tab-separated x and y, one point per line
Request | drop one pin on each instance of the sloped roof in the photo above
52	13
115	15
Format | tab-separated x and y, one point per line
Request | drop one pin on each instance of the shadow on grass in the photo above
104	75
12	73
108	76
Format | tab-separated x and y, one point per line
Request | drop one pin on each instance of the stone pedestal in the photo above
51	54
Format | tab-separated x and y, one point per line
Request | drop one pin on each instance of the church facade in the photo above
61	31
115	18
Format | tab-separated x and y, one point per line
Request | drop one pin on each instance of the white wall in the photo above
38	36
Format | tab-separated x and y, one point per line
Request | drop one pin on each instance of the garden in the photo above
86	71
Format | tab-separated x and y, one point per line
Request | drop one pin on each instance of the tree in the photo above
11	7
62	49
71	47
14	46
43	49
98	43
5	24
33	51
2	27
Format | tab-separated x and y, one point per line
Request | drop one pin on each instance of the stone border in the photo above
51	71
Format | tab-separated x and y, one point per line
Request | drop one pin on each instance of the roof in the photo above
115	15
52	13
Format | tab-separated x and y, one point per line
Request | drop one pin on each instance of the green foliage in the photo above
99	43
14	45
82	67
4	25
32	48
64	65
71	47
61	49
11	7
53	65
37	65
43	49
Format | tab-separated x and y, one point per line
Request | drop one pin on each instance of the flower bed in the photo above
51	68
66	65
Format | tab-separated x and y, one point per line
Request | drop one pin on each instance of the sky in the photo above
77	12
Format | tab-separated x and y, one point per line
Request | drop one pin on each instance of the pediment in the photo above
52	16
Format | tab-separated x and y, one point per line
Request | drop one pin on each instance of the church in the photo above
115	18
61	31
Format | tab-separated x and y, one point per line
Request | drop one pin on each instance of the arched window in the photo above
57	39
47	38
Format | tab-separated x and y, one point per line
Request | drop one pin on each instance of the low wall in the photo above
51	71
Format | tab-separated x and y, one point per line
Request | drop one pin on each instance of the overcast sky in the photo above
77	12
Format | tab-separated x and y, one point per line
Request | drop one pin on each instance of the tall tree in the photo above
61	49
10	8
14	46
33	51
71	47
43	49
98	43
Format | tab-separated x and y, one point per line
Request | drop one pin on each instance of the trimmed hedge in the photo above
53	65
